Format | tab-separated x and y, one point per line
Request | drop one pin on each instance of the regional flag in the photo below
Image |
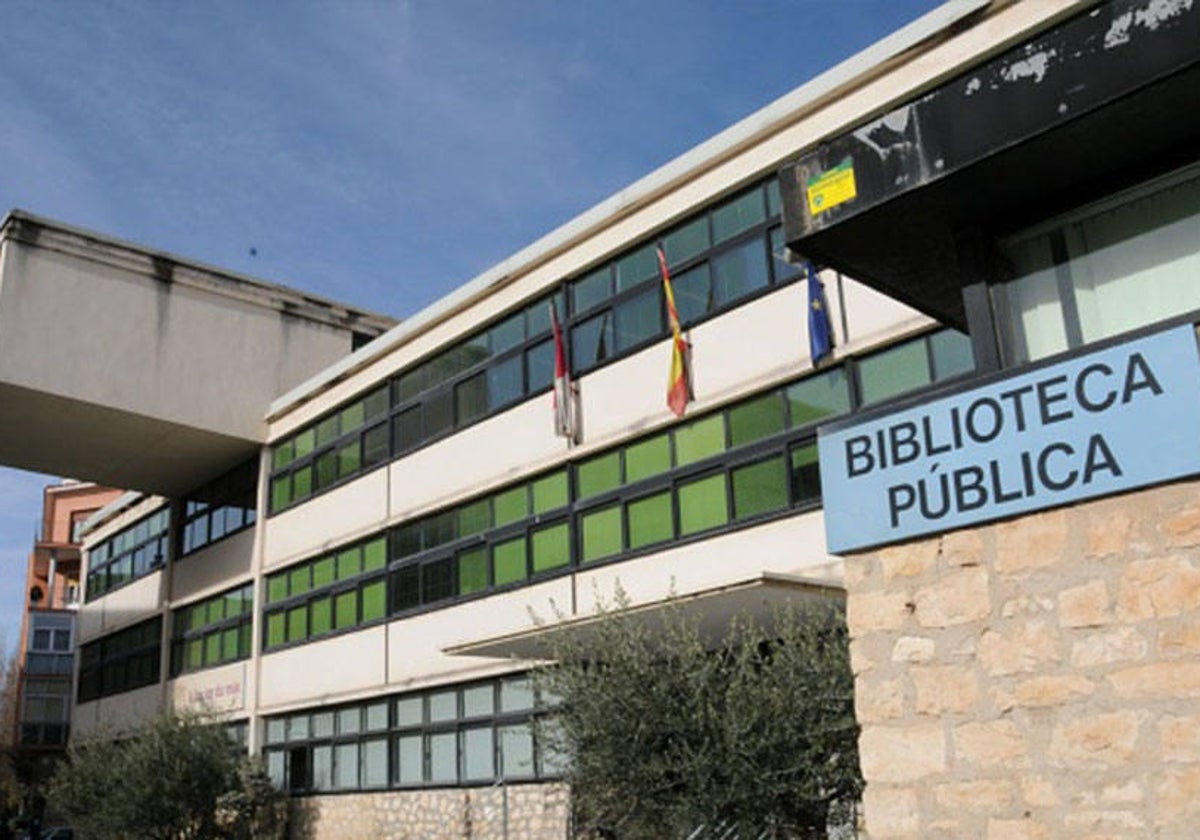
564	425
679	389
820	332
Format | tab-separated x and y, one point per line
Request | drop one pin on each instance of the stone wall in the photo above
534	811
1034	678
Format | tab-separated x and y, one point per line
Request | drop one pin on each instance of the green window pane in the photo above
322	572
474	517
374	600
281	492
375	445
760	488
277	588
229	644
472	571
345	610
349	563
703	504
197	617
508	561
375	403
349	458
297	624
327	469
512	505
806	474
298	579
699	439
327	430
648	458
302	483
195	654
650	520
687	241
216	610
304	442
276	624
636	267
374	555
470	398
818	397
737	215
602	533
212	649
894	371
756	419
550	492
551	547
952	354
282	455
244	641
321	616
352	417
600	474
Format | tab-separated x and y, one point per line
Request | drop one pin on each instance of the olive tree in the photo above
177	778
665	731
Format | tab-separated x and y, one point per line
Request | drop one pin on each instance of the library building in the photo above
919	336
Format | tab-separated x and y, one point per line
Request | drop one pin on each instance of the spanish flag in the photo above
679	389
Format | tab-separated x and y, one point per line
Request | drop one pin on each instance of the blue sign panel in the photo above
1122	417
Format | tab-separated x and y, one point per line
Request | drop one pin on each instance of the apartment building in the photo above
994	465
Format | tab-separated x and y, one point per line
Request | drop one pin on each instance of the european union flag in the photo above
820	332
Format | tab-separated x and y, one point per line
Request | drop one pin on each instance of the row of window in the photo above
121	661
734	466
330	594
220	509
472	734
720	258
129	554
214	631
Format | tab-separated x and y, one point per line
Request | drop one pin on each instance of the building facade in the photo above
1003	200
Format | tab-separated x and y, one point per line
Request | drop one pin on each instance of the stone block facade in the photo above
1034	678
529	812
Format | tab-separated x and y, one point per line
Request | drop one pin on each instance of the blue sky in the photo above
377	153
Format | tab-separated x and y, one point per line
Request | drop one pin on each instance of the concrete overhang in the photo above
1102	100
135	368
759	598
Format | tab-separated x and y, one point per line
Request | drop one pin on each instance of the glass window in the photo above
479	700
375	445
760	488
636	267
345	767
647	458
406	587
784	270
539	366
352	416
439	413
508	333
603	535
276	634
349	721
346	610
443	758
297	624
551	547
322	616
693	292
409	711
406	427
699	439
505	382
508	561
349	458
478	754
516	694
756	419
550	492
650	520
599	474
443	705
806	476
703	504
474	517
516	750
375	763
591	289
511	505
409	762
472	571
374	600
470	398
322	724
739	272
639	318
952	354
738	215
593	341
818	397
437	580
686	242
894	371
349	563
374	555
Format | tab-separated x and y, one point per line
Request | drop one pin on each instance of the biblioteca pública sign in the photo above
1119	418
